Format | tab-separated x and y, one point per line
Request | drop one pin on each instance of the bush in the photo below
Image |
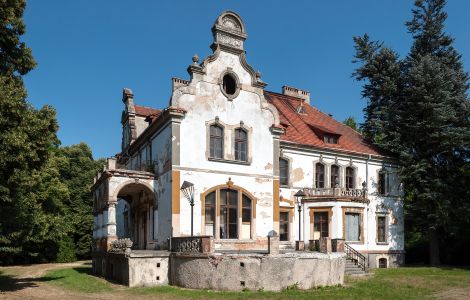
66	251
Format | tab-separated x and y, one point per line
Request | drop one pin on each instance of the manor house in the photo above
230	160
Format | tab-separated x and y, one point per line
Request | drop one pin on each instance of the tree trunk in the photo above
434	258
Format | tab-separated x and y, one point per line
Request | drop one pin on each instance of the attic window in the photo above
229	84
330	139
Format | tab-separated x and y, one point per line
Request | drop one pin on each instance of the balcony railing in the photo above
145	165
336	192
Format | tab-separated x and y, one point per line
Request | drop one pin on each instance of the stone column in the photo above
109	224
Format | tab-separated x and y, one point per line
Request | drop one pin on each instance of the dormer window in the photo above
330	139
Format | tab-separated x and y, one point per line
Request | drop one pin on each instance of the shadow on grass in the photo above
10	283
83	270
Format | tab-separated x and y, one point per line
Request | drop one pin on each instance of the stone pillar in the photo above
109	224
273	245
299	245
337	245
325	245
99	225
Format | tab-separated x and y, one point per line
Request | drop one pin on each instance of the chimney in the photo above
295	92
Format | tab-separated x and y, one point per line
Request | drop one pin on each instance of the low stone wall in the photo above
137	268
254	272
394	260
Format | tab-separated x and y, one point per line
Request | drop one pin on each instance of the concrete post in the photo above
273	245
110	224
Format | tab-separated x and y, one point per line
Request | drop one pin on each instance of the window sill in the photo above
355	242
382	243
229	161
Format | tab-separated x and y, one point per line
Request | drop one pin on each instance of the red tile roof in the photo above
145	111
307	128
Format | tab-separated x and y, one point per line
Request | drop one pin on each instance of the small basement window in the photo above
229	84
383	263
330	139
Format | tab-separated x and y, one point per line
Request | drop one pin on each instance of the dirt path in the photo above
25	282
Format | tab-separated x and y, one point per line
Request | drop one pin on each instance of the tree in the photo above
77	170
351	122
26	135
419	111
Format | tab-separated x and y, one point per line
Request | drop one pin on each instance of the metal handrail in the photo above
356	257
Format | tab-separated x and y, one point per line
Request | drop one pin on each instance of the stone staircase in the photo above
356	263
352	268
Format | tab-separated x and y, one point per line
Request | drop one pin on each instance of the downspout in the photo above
367	189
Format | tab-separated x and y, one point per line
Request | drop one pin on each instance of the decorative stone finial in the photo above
195	59
127	94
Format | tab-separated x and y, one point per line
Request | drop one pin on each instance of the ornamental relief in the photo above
231	22
228	40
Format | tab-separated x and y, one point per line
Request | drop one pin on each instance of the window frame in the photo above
238	143
360	211
217	221
287	171
385	228
332	181
317	179
350	185
213	137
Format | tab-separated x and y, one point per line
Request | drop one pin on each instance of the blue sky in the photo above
88	50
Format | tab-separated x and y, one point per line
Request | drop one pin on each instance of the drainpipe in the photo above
368	229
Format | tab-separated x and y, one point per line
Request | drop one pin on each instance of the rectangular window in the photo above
320	225
228	214
350	178
284	171
381	229
353	227
284	226
381	183
319	175
216	141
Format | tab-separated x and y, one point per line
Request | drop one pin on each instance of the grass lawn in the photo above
403	283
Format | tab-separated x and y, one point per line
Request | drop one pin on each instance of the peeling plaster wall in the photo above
302	176
204	101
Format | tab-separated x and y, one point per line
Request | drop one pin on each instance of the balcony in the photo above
355	195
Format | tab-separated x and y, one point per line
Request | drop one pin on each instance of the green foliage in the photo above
45	201
418	110
351	122
403	283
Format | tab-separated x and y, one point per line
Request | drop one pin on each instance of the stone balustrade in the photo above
194	244
336	192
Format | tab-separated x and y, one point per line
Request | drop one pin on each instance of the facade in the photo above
246	151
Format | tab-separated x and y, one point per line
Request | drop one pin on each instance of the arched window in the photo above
241	144
319	175
284	171
350	178
209	214
334	180
383	263
216	141
228	213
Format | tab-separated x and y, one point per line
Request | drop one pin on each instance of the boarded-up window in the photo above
284	171
284	226
216	141
381	229
209	216
350	178
319	175
241	144
353	227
